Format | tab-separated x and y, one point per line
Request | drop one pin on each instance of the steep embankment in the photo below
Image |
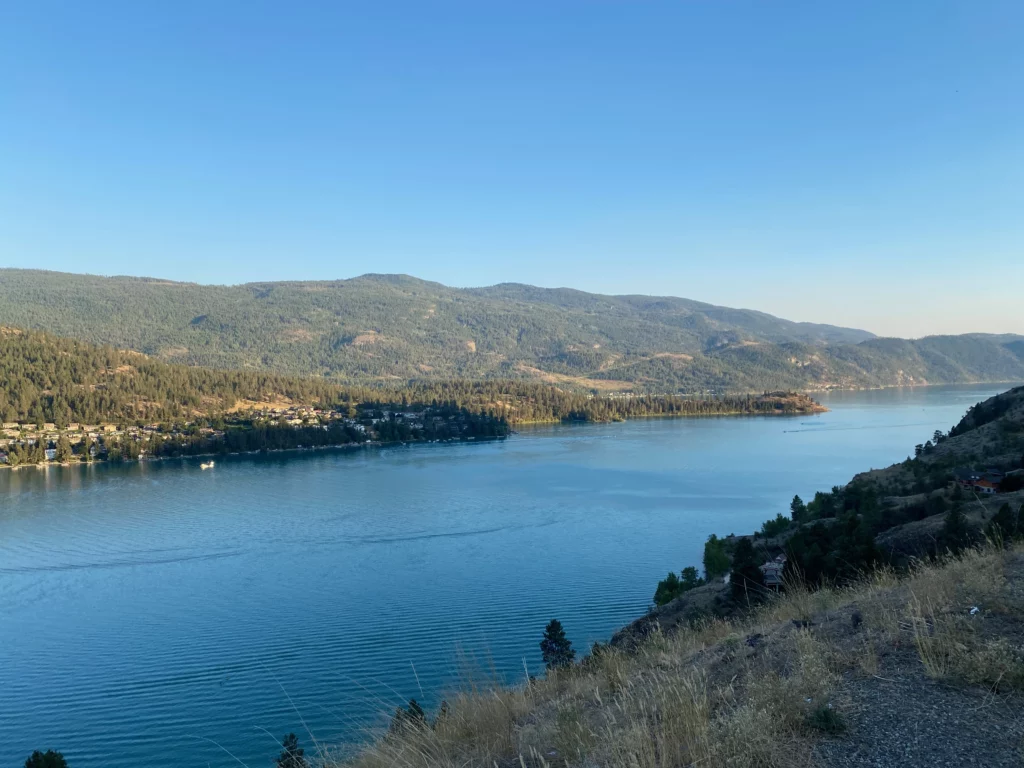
382	327
990	435
886	516
916	672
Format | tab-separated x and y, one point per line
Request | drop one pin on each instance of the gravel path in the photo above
908	721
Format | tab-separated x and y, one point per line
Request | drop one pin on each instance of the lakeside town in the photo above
26	444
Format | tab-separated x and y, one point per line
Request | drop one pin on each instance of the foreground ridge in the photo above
911	671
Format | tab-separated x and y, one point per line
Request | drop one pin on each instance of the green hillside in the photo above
48	379
394	327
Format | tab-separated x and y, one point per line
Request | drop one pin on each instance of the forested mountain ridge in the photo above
51	380
394	327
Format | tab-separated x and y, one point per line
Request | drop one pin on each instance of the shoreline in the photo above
380	444
724	414
1012	382
268	451
531	423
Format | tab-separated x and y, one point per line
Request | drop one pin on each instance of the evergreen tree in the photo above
63	454
673	586
412	716
798	510
1005	526
416	711
292	755
774	527
668	589
716	560
48	759
690	579
956	534
555	647
746	582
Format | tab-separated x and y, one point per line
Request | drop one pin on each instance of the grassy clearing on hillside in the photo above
758	691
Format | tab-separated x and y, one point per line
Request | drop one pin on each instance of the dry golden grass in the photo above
604	385
726	694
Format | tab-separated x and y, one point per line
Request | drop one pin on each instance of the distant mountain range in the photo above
388	327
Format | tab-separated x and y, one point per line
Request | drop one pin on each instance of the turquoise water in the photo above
156	614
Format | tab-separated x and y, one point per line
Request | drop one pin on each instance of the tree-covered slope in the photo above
387	327
48	379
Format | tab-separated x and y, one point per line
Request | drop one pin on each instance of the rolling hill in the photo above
396	327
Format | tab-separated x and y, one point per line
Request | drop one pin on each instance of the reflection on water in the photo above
150	608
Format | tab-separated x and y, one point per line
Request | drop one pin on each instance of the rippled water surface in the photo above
156	614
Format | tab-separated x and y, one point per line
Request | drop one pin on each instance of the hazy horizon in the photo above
860	166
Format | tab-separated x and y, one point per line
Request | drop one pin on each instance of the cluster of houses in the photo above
980	481
14	433
297	416
306	415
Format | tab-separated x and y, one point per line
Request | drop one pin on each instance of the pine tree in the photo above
292	755
416	711
555	648
798	510
668	589
716	561
746	582
690	579
412	716
63	454
48	759
956	534
1005	525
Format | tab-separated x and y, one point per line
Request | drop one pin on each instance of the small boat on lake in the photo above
206	465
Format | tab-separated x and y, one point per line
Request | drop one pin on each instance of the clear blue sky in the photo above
860	163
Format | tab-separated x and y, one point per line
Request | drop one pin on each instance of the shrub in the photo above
827	720
774	527
673	586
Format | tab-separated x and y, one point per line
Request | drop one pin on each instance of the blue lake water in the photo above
156	614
